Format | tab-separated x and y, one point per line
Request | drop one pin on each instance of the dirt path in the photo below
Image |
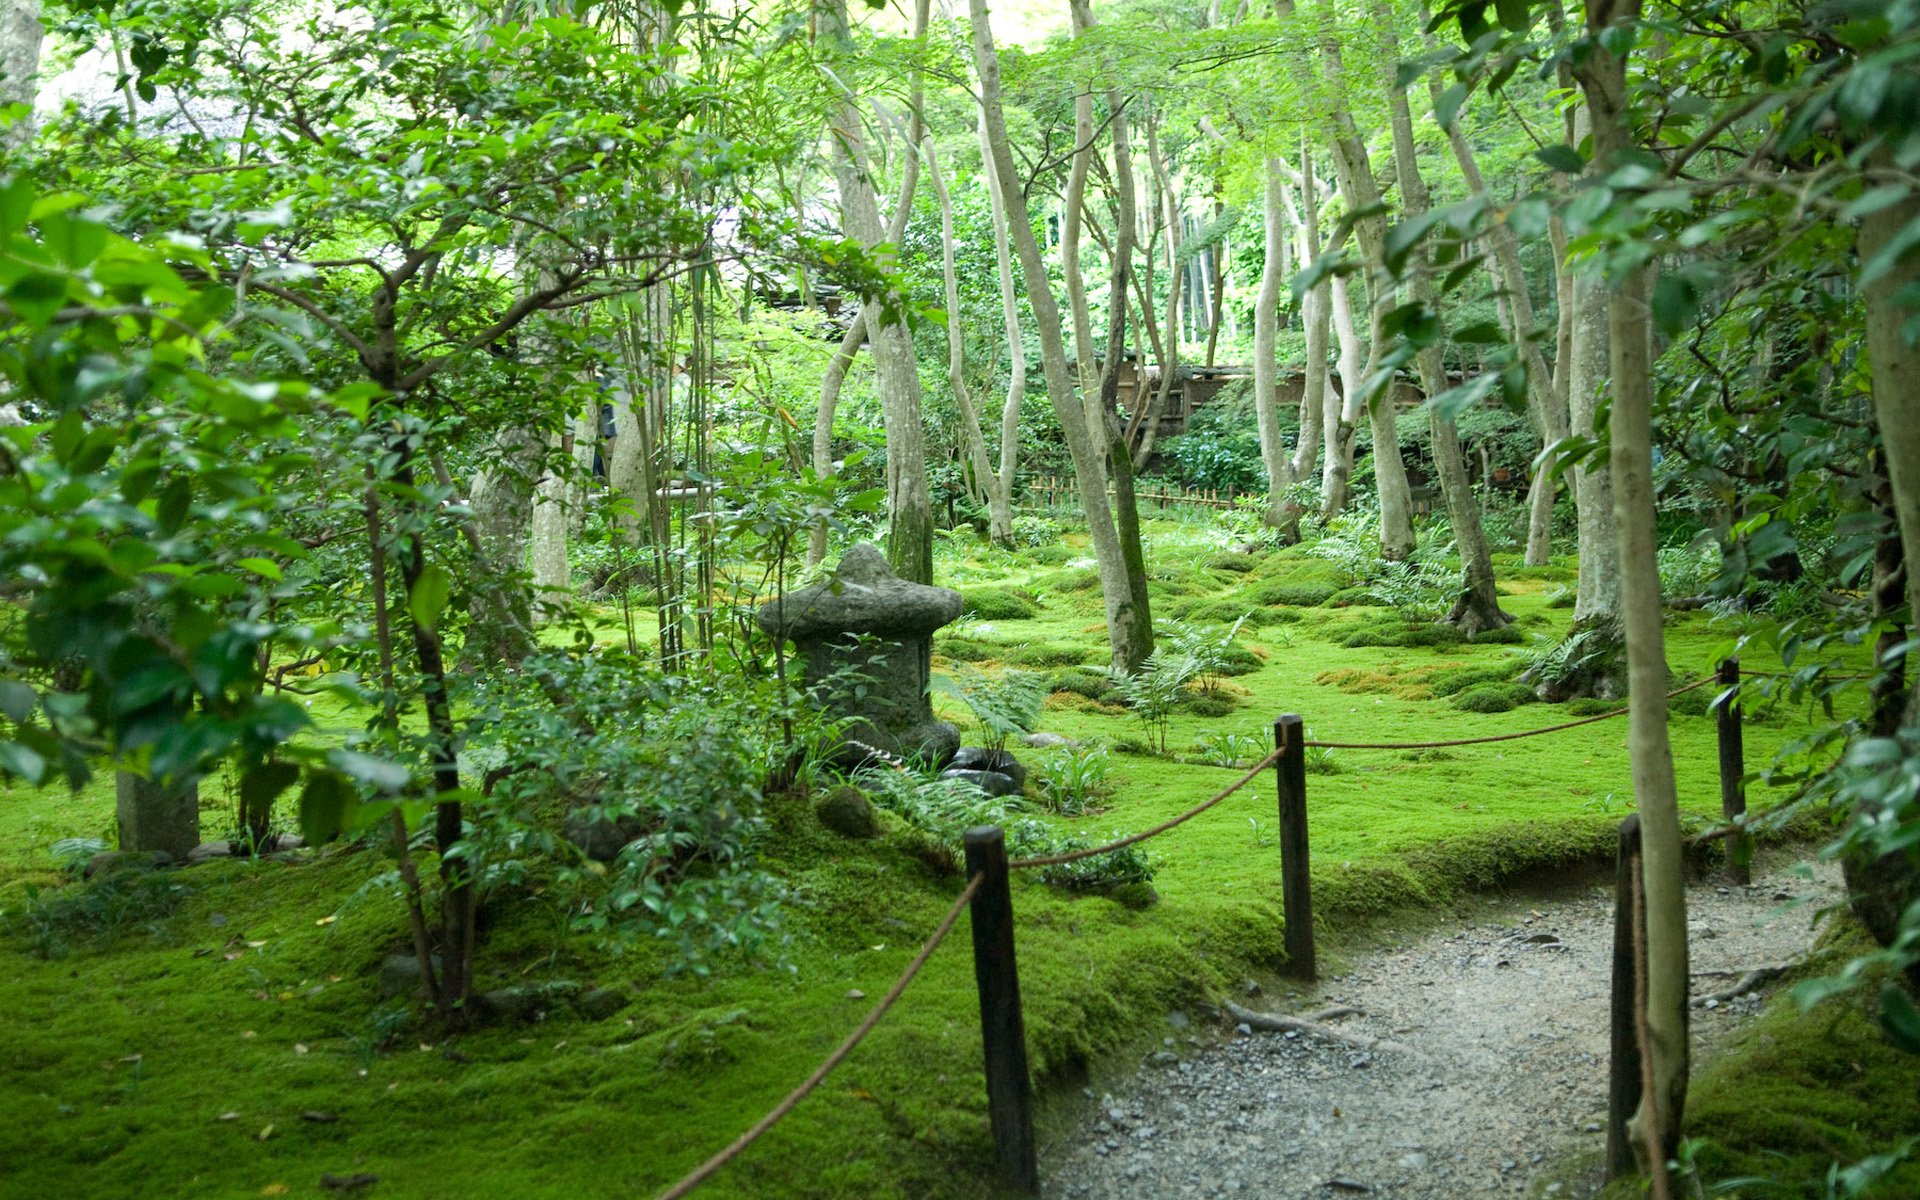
1505	1014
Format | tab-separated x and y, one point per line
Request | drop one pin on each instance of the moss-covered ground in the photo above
217	1032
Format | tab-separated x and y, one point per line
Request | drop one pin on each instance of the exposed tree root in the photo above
1314	1025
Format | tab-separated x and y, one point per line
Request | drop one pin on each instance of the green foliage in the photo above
1129	867
1486	698
1002	705
1219	450
95	913
1229	748
1044	654
1298	594
1074	780
1154	690
1210	650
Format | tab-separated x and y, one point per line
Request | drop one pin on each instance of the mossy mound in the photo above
1354	597
1209	704
1047	654
962	649
1238	564
1401	633
1296	593
1074	579
999	604
1797	1092
1051	556
1239	660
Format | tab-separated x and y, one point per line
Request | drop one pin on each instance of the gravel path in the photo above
1504	1011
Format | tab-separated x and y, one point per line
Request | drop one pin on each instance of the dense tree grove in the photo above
362	364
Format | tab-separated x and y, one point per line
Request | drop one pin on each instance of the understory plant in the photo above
1002	705
1153	690
1074	779
1208	647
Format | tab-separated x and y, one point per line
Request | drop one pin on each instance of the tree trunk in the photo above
1896	378
896	370
1010	317
1129	629
999	507
1548	409
501	500
1266	366
552	581
1342	411
20	37
1317	313
1630	334
1477	608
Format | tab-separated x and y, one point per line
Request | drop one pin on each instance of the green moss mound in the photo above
1045	654
1485	698
1354	597
1075	579
1797	1092
1297	593
962	649
1402	633
999	604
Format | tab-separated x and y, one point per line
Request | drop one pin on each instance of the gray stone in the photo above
600	837
513	1005
208	851
847	812
157	816
112	861
1047	741
400	975
597	1004
974	758
993	783
867	620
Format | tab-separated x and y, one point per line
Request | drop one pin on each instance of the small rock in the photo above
400	975
1340	1183
1243	1029
512	1004
973	758
597	1004
208	851
1415	1161
1046	741
846	811
1249	987
856	994
1163	1058
1542	939
1178	1019
993	783
1591	1127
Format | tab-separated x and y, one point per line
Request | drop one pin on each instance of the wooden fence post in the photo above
1733	769
1002	1031
1623	1079
1296	878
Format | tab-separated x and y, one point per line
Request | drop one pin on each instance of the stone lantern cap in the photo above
863	596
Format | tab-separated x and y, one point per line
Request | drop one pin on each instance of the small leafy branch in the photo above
1208	647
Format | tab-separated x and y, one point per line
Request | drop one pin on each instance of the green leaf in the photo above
1446	109
326	802
16	759
1675	303
1564	159
377	773
17	700
427	599
1480	333
1900	1019
37	296
170	510
265	567
262	785
1516	15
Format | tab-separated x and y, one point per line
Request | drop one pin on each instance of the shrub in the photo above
1030	529
1237	661
1044	654
999	604
1486	698
1230	749
1210	649
1117	869
1052	555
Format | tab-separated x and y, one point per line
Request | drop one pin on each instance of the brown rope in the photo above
1795	675
698	1175
1496	737
1052	860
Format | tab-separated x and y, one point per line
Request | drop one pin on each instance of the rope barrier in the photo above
1798	674
1496	737
699	1174
1052	860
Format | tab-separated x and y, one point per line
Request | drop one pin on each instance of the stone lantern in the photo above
866	619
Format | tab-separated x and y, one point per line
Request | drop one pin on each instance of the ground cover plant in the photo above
273	968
